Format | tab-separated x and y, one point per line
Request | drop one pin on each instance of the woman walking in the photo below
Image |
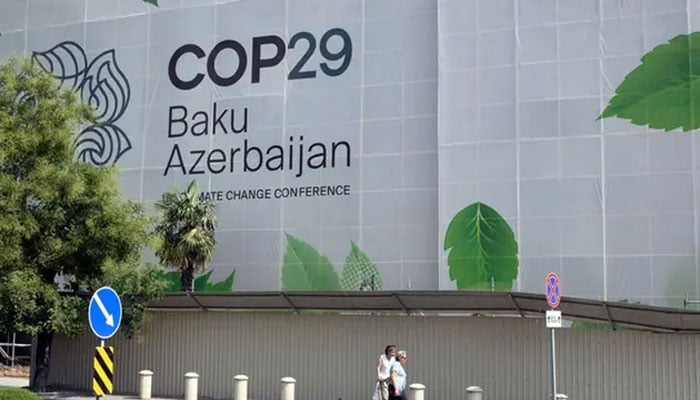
386	360
397	388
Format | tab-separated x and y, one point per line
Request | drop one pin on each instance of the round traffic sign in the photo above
552	291
105	312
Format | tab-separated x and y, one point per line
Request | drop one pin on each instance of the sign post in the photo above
105	317
553	318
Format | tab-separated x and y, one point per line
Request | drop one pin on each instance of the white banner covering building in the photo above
415	144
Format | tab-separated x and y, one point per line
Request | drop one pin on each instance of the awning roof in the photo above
644	317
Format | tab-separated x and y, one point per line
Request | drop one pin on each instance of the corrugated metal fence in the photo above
334	356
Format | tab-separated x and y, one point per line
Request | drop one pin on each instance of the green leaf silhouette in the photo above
200	284
359	273
305	269
154	2
224	286
482	249
663	92
173	279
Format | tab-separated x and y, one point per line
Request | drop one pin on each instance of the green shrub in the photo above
17	394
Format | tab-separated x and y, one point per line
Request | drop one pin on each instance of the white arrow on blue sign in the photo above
105	312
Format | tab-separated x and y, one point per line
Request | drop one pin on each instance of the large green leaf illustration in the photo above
154	2
305	269
359	273
173	280
224	286
663	92
483	250
200	284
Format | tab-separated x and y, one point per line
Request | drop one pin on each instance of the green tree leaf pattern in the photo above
359	273
200	284
154	2
663	92
305	269
173	280
483	249
224	286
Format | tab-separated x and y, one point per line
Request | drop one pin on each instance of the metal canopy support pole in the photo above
517	307
196	300
553	364
291	303
607	312
14	343
403	306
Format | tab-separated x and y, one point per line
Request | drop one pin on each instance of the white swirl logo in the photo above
102	85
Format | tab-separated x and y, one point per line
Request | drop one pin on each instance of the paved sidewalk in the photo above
24	382
8	381
84	396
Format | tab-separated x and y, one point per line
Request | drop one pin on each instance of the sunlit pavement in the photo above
7	381
88	396
24	382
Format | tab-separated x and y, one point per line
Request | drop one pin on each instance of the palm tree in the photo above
186	231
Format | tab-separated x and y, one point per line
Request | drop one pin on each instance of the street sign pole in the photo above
553	363
553	321
105	316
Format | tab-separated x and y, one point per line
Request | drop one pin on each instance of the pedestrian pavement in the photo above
10	381
24	382
86	396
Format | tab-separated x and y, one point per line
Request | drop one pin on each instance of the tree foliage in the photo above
58	215
186	232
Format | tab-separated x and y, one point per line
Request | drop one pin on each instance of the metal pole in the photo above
553	364
102	344
12	358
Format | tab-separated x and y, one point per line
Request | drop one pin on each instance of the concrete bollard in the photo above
474	393
240	387
145	384
561	396
288	388
191	379
416	391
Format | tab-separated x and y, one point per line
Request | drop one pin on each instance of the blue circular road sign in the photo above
105	312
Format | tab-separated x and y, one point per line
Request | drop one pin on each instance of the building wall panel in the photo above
333	357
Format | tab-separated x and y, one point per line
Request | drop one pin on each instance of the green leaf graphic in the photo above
359	273
305	269
200	284
154	2
173	279
482	249
224	286
664	91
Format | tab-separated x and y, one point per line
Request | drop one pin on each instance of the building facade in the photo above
415	144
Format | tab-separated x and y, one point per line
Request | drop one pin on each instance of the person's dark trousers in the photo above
392	396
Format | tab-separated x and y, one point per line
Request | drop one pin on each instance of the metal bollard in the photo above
240	387
474	393
416	391
145	384
191	379
561	396
288	388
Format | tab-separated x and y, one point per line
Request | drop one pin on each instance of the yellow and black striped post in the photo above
103	371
